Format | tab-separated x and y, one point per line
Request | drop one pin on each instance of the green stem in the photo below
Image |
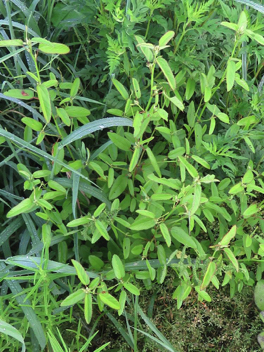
151	86
147	30
181	38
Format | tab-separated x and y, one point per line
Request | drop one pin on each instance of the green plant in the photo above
177	182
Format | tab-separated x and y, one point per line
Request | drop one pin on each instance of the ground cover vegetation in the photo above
131	143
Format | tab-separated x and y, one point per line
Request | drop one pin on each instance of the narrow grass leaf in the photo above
7	329
86	188
162	338
122	331
93	127
28	311
8	231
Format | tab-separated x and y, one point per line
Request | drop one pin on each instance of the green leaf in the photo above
175	100
126	247
181	236
212	125
236	188
25	206
232	258
109	300
24	94
164	66
64	116
210	271
229	236
122	301
148	53
56	186
191	169
232	26
73	298
201	161
173	154
146	213
116	112
12	42
75	87
202	294
44	100
121	142
82	275
44	204
77	222
142	223
135	158
42	174
241	82
230	74
166	234
33	124
249	143
118	267
77	111
102	229
88	308
153	161
121	89
99	210
166	38
54	48
246	121
131	288
190	87
119	185
251	210
259	294
255	36
223	117
96	262
7	329
136	87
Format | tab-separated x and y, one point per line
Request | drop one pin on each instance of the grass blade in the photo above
255	6
10	229
86	188
162	338
28	311
120	329
93	127
37	151
35	262
9	330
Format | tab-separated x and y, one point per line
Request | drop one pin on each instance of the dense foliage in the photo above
131	149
